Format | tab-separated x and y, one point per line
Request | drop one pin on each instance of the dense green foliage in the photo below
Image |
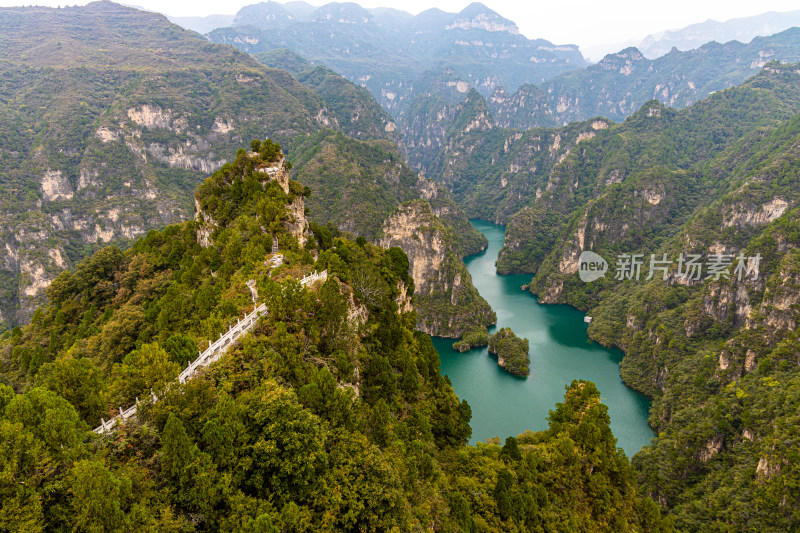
107	132
356	184
724	450
124	114
511	351
330	415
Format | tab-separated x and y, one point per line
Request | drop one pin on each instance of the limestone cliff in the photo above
446	301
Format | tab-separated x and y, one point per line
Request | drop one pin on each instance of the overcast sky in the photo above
582	22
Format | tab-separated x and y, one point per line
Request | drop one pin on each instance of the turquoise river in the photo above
560	351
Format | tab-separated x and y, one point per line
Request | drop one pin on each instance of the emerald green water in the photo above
560	351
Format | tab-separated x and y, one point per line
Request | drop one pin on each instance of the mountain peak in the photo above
477	16
624	60
264	15
342	13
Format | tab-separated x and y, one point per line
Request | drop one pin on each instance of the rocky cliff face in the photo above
71	212
446	301
493	172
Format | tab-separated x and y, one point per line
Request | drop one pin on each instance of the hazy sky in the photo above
582	22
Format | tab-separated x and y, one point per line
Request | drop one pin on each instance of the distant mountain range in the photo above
614	88
620	83
739	29
421	68
268	15
389	51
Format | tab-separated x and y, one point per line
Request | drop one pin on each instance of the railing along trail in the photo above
214	351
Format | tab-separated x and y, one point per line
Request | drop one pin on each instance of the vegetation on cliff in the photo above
511	351
446	300
662	159
106	132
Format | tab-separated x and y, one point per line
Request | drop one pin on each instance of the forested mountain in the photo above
614	89
537	179
331	415
389	51
112	116
717	354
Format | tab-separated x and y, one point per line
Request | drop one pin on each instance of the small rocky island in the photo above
473	337
511	351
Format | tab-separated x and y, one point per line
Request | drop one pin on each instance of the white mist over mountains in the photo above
593	40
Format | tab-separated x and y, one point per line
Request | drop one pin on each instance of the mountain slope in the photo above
717	354
719	357
358	114
653	142
109	148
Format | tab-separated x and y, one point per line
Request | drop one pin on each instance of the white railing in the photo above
123	415
311	278
214	351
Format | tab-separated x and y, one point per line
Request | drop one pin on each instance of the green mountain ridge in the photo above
621	83
614	88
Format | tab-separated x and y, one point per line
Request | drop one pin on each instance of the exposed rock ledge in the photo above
446	301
